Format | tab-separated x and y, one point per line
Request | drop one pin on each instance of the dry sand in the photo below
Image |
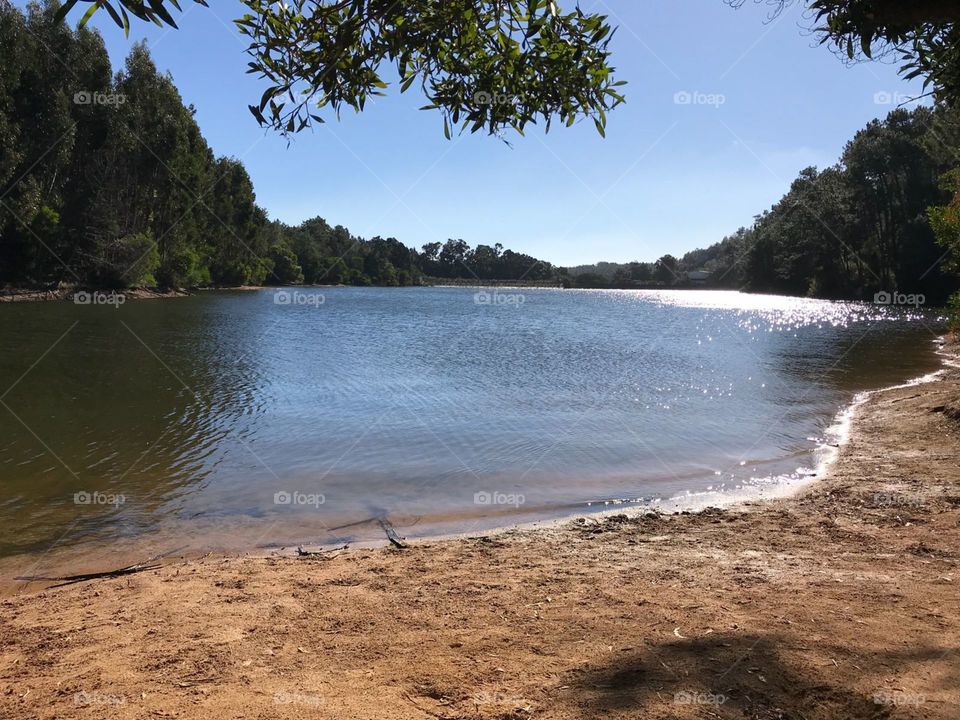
841	603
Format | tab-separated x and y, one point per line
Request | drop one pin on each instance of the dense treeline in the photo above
107	181
873	222
665	272
856	228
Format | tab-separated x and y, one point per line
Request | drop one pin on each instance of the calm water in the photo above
206	414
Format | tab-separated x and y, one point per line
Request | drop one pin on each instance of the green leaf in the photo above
88	14
113	14
159	9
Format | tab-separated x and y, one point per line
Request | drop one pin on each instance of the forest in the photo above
858	227
106	181
880	219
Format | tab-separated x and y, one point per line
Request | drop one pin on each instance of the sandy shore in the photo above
843	602
67	292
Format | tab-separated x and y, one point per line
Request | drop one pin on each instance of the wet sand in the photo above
842	602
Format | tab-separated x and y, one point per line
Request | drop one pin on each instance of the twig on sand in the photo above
385	524
318	553
391	533
148	564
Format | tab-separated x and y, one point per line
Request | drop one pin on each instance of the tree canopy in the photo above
496	65
491	65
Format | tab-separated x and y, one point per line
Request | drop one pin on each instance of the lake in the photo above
242	419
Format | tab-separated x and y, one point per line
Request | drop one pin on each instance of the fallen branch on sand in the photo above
391	533
148	564
319	553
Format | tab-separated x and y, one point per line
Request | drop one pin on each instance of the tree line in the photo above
107	181
858	227
665	272
885	217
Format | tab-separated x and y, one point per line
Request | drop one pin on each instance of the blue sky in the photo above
669	177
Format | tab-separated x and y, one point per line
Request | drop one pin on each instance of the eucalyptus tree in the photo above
491	65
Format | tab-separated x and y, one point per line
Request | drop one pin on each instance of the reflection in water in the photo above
215	416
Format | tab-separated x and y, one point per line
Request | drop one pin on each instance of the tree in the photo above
640	272
431	250
945	221
161	187
38	140
666	270
493	65
483	261
453	257
236	227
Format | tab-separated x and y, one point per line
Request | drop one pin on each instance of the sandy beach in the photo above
842	602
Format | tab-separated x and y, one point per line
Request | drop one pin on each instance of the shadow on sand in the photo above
756	676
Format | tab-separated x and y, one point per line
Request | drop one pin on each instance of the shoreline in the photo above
66	293
839	602
825	455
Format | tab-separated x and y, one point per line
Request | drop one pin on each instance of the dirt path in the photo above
843	603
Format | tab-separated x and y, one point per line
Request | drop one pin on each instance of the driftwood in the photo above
148	564
318	553
391	533
385	525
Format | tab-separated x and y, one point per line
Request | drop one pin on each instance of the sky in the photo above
765	101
